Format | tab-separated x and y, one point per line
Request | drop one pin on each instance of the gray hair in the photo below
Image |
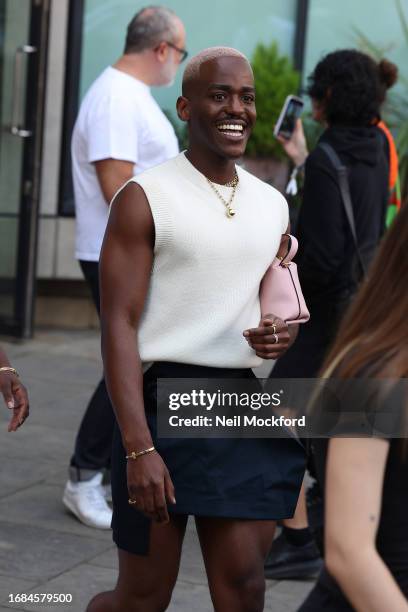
149	27
192	71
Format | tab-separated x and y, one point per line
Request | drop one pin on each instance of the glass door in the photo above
23	29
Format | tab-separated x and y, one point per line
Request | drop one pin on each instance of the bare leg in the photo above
299	520
234	553
145	583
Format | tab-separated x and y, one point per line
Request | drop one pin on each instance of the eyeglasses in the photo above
183	52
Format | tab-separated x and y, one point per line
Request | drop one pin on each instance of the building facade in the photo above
51	51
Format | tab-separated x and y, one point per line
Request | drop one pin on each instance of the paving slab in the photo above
82	582
50	403
15	476
37	554
289	593
41	505
192	568
78	343
41	390
54	371
11	585
64	413
188	597
35	442
58	476
108	559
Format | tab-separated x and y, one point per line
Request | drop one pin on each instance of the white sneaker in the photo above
87	501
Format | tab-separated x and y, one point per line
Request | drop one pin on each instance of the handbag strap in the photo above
344	186
292	249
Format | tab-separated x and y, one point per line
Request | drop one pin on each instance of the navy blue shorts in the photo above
257	479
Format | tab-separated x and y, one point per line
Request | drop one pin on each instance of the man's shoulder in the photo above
102	83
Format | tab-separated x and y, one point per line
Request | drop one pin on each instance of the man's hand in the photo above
149	486
271	339
15	397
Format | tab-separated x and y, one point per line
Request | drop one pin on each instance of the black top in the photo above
392	534
326	249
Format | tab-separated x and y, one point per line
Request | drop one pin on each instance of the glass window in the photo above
209	23
333	25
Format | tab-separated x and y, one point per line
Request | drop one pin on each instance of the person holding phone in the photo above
347	89
286	123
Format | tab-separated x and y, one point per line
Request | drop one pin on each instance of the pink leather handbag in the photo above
280	292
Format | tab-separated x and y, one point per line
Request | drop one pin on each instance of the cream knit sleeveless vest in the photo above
207	268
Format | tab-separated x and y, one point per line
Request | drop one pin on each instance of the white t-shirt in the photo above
118	119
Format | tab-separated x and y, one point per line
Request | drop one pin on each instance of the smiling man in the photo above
195	235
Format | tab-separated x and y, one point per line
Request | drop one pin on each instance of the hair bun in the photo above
388	72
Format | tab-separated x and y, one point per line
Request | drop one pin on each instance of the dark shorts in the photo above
232	478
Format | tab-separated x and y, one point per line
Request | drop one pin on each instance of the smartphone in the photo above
291	110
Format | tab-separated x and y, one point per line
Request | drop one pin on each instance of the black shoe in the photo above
286	561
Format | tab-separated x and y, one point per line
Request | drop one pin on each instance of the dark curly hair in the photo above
352	87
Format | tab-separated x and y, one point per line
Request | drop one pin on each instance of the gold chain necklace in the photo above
234	184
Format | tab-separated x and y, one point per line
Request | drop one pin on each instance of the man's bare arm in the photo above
125	269
125	266
112	174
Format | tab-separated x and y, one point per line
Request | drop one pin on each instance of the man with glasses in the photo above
120	131
183	52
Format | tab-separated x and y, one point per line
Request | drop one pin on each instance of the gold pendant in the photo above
230	212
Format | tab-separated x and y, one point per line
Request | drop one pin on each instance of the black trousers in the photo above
93	444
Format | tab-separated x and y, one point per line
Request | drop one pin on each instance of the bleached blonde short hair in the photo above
192	70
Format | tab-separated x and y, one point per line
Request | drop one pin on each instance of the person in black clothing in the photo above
366	479
347	89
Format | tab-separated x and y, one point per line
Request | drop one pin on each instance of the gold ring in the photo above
276	338
132	502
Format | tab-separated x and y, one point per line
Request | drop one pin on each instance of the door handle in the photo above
17	99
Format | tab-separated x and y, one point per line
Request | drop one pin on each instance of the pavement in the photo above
43	549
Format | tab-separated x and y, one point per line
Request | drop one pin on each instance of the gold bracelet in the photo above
8	369
134	455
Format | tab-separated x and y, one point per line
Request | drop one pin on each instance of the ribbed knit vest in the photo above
207	269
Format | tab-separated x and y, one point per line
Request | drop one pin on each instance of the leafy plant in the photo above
275	78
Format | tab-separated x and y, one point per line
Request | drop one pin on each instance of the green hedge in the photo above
275	78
